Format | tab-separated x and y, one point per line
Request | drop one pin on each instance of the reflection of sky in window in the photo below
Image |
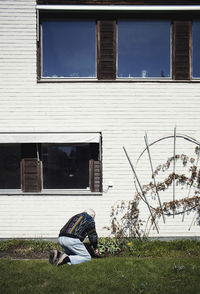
196	49
69	49
67	149
143	48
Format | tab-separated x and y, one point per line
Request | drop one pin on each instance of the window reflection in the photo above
68	49
196	49
143	49
67	166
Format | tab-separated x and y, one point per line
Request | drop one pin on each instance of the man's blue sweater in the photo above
80	226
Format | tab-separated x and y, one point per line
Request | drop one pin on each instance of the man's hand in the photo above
97	254
96	251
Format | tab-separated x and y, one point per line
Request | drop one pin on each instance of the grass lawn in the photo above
106	276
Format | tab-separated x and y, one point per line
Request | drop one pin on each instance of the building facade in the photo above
80	80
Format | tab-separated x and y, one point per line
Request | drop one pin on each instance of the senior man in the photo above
71	237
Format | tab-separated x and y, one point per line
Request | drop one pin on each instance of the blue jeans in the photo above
75	250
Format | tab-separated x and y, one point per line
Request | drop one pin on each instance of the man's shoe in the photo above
53	255
62	259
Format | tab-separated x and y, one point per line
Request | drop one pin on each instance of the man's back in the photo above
79	226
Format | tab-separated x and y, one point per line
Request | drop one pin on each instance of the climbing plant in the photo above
125	221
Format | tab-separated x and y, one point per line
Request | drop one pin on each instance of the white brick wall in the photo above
121	111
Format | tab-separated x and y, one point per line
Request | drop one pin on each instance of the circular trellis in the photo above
175	206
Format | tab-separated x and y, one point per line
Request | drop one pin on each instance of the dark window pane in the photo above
10	166
68	49
67	166
143	48
196	49
30	150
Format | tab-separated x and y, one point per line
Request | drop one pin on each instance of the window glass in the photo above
30	150
68	49
67	166
143	49
10	166
196	49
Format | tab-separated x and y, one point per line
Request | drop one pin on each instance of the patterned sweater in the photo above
80	226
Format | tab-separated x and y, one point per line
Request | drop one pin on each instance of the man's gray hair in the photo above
91	212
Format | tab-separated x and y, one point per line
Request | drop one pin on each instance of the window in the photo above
144	49
69	49
10	166
67	166
117	46
196	49
33	167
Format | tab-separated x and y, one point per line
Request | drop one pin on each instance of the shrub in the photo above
111	246
149	248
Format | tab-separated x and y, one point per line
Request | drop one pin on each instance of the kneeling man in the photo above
71	237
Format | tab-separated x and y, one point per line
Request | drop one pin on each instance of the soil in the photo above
22	254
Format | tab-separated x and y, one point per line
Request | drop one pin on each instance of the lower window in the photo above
10	166
33	167
67	166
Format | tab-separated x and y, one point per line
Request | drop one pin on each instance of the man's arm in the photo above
93	237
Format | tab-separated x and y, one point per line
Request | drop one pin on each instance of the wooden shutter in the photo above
181	50
106	60
31	175
95	171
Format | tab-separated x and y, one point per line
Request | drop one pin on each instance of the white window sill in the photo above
55	80
119	80
50	193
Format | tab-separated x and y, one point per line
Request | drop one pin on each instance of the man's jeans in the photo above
75	249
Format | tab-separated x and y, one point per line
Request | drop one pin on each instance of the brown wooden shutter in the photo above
181	50
31	175
106	61
95	176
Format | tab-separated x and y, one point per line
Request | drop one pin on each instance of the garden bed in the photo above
32	249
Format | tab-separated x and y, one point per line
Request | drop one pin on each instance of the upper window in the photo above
68	49
120	46
144	49
196	49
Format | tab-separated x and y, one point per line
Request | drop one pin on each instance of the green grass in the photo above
102	276
157	248
152	267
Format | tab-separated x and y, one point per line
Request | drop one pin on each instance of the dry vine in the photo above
125	220
129	225
187	203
